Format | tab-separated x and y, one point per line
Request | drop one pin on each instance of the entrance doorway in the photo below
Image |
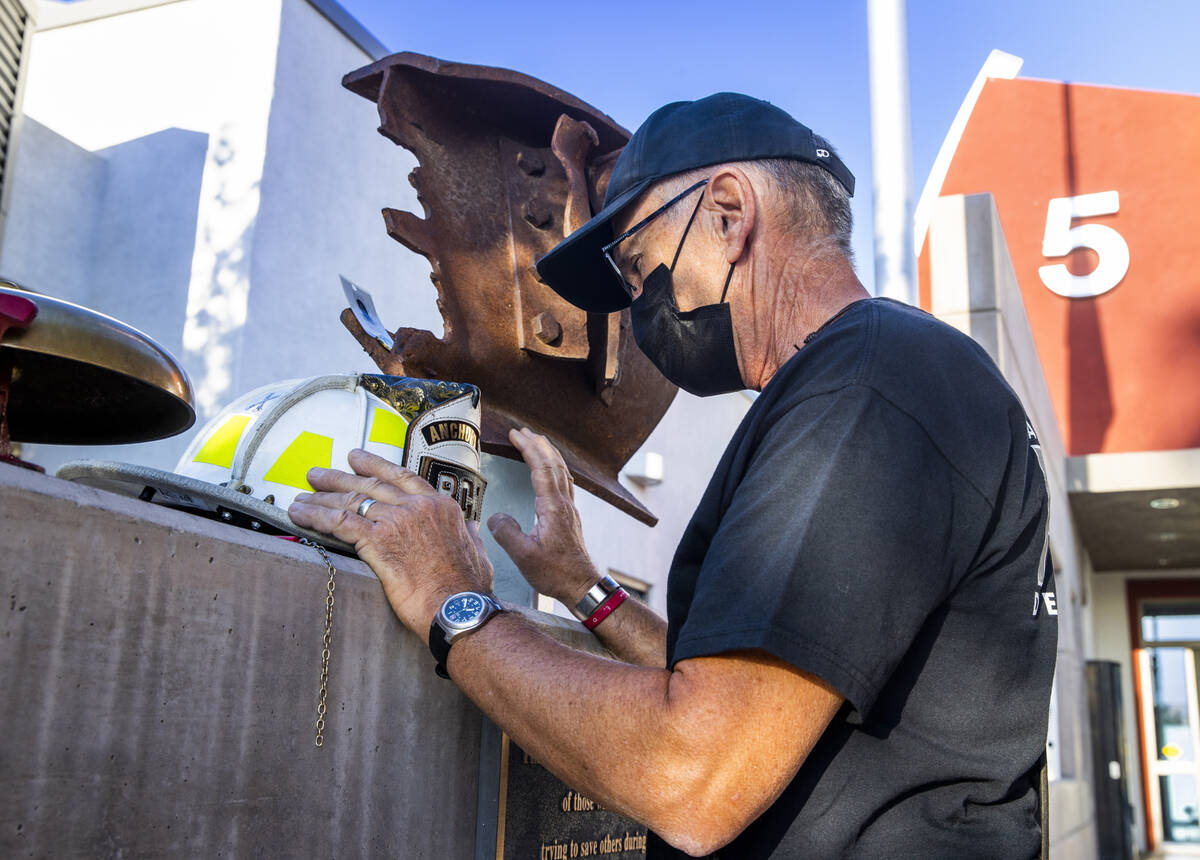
1168	655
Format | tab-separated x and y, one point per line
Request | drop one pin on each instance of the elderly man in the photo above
856	660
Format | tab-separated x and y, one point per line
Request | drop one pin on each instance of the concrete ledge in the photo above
162	675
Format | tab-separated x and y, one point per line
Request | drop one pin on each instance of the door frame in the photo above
1137	593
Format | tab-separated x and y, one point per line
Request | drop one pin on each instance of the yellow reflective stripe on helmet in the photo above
388	428
307	450
222	445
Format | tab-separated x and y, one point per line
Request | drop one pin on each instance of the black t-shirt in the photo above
879	520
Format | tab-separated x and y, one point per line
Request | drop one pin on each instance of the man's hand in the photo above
552	557
414	538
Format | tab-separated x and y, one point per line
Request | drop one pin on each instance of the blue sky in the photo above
628	58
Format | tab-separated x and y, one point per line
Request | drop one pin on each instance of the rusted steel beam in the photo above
508	165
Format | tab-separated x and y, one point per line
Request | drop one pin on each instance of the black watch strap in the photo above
439	644
440	648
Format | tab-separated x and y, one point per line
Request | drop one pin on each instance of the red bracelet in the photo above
605	609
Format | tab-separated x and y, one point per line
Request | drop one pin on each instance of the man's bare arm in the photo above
636	634
695	754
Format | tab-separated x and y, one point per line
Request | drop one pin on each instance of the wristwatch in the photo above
460	613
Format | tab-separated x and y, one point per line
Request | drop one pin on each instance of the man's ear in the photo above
732	198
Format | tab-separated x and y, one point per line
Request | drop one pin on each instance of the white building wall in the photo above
207	183
55	187
327	175
140	91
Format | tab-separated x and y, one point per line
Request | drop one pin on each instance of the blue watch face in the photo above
463	608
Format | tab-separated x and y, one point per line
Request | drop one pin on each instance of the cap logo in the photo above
822	153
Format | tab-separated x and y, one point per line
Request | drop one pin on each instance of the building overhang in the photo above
1138	510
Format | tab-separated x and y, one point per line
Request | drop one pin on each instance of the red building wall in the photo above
1123	365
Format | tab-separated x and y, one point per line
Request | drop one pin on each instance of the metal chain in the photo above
320	739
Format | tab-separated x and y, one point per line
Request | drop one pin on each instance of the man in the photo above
850	666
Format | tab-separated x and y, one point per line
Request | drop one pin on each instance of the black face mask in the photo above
694	349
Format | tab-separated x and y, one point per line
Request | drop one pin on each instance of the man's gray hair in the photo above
817	205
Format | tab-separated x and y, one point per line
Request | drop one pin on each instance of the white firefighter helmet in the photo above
249	462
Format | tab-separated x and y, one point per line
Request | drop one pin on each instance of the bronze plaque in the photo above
541	818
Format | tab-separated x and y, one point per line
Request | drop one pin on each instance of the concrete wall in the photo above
327	174
975	289
53	182
151	180
162	675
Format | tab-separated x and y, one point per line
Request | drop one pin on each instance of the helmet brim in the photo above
201	497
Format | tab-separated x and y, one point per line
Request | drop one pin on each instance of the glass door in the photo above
1171	642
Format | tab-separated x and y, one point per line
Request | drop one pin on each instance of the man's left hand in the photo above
414	538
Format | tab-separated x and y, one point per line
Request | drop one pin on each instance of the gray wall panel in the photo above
161	676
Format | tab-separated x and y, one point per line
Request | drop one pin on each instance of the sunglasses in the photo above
607	249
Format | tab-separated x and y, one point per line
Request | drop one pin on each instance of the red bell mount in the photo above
15	312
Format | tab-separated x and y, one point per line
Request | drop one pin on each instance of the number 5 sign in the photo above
1061	239
1117	343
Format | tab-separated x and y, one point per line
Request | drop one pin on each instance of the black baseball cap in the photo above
676	138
